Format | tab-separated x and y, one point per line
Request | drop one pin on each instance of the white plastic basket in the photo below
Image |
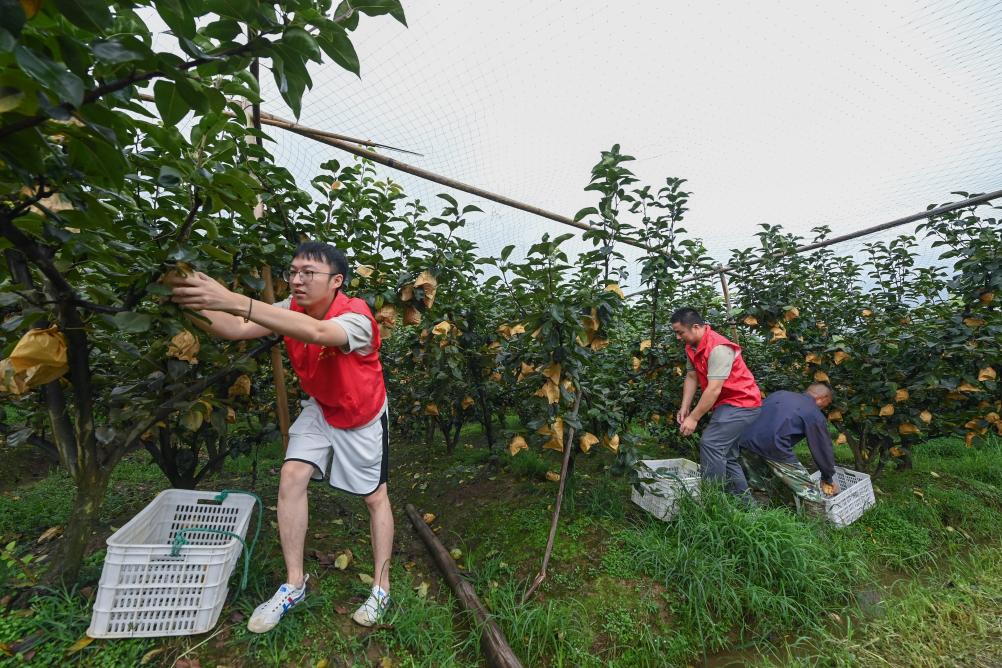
854	497
663	482
145	592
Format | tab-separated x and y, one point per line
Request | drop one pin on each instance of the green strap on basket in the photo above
248	550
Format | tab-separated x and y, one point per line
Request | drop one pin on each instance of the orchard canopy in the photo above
125	155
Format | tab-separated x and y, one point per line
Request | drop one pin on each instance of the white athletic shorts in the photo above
353	460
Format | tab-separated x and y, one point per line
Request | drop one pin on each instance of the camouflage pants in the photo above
763	474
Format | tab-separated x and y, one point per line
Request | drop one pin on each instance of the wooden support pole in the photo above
493	643
727	305
555	520
358	147
451	183
253	113
278	370
913	218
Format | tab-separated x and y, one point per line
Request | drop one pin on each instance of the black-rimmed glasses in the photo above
305	274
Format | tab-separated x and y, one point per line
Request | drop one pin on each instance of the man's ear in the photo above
337	280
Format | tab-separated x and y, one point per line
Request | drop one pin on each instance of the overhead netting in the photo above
843	114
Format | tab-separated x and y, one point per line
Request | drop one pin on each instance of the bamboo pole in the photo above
727	305
253	114
269	119
277	367
929	213
278	122
897	222
554	521
356	147
451	183
492	639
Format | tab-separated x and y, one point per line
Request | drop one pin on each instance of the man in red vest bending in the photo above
341	433
728	389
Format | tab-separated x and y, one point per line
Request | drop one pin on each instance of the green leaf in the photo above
450	199
291	83
91	15
193	94
12	16
101	162
7	41
242	10
132	322
303	42
169	177
470	208
338	46
52	75
170	104
224	30
10	98
177	15
377	8
216	253
116	50
587	211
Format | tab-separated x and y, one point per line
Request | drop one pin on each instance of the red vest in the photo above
740	388
348	386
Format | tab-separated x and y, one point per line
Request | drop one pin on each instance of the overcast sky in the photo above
840	113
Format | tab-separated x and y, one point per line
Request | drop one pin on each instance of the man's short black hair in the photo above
321	252
687	317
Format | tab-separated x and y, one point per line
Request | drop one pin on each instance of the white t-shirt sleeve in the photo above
285	303
359	331
718	367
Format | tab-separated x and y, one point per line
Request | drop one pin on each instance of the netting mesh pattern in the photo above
842	114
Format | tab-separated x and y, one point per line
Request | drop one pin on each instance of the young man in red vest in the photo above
341	433
728	390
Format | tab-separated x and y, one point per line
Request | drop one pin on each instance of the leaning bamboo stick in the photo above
492	639
253	115
357	147
278	369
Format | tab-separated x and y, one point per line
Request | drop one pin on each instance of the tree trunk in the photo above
485	418
91	486
654	311
450	431
429	431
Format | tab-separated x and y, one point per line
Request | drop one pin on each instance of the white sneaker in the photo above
370	612
267	615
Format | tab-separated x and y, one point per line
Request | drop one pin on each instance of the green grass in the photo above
916	581
745	575
61	618
32	509
528	464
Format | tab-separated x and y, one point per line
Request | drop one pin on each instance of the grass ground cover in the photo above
916	581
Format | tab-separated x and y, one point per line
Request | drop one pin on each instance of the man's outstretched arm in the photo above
227	311
227	326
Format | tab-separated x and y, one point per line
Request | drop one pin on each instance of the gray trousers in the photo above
718	446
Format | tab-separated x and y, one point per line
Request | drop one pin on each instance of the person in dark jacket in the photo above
767	443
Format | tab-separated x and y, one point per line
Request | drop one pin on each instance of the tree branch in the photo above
189	220
42	444
568	447
62	427
71	325
134	78
187	393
